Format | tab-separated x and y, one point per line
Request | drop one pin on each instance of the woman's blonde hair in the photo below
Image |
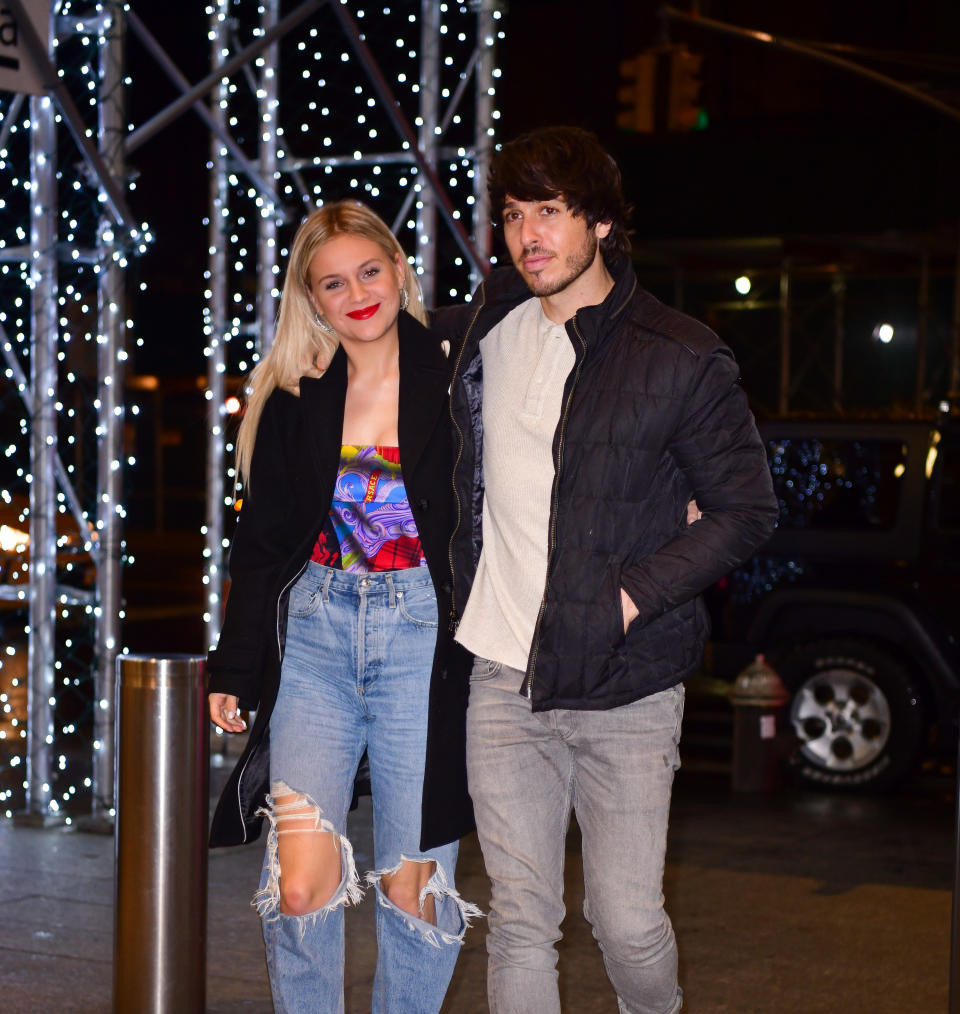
300	346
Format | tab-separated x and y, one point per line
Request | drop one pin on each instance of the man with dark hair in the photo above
587	415
567	161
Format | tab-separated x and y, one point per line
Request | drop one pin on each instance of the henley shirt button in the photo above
423	503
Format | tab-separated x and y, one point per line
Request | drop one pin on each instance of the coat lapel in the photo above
424	388
323	400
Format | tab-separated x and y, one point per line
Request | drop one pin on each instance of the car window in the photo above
837	484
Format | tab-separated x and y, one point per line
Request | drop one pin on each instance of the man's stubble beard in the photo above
576	264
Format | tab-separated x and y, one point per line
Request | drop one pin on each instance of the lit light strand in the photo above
332	139
75	221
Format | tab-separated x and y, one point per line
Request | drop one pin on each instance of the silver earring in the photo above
323	325
404	298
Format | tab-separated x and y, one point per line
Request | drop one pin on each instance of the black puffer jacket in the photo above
652	416
294	468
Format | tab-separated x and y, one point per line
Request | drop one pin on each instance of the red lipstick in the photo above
365	313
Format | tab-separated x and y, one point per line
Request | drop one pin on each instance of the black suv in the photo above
855	598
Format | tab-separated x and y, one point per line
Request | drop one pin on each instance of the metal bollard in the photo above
953	999
758	697
160	913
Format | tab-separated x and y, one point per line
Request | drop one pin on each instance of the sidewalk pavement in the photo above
798	904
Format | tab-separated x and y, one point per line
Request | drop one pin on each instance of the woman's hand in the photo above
225	712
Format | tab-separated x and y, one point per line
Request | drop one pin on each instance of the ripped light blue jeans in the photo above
527	771
355	676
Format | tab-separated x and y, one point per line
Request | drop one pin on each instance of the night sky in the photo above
793	147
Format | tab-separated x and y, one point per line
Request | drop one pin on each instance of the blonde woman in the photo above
335	629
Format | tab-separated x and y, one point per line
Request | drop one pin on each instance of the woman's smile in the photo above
365	313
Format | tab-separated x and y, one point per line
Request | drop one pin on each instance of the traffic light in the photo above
660	89
683	110
636	93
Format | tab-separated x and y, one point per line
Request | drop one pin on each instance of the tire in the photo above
856	714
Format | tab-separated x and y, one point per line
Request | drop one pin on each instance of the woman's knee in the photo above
405	888
308	853
309	865
310	875
423	888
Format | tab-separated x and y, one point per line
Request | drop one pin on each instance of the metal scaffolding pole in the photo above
25	390
216	339
483	132
421	149
111	371
426	255
43	449
267	189
392	108
13	114
39	51
269	102
222	69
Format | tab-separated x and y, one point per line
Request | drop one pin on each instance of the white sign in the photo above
18	73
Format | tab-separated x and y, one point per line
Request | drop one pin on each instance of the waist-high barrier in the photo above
954	997
160	912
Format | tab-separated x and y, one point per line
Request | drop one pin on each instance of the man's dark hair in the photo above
566	163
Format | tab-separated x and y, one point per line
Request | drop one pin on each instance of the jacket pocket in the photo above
483	669
614	602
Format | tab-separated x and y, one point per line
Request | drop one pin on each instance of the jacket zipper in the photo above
454	619
286	588
527	687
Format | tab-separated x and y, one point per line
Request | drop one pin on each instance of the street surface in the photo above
800	904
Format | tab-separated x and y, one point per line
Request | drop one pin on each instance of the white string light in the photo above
75	219
334	139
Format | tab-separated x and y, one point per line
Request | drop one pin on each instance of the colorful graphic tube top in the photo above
370	525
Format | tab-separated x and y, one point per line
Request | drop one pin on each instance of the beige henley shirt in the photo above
526	361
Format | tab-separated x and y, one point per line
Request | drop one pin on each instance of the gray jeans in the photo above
614	769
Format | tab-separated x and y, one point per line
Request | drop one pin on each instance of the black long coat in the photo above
294	467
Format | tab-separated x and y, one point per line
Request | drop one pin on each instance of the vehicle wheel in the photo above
856	714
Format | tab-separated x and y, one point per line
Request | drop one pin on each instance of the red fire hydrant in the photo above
758	698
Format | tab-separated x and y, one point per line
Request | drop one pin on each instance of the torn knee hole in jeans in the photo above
301	815
451	909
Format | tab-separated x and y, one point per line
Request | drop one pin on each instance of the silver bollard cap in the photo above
159	670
